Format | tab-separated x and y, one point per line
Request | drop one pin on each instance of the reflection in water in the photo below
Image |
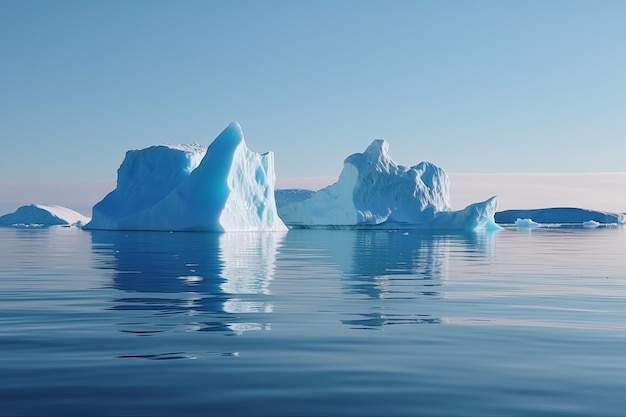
411	266
221	282
250	269
216	277
386	269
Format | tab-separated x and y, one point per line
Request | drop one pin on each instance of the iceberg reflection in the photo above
398	274
387	273
190	281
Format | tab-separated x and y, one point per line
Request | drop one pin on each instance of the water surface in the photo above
313	322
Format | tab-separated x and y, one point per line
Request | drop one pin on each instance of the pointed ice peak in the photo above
374	156
378	147
232	134
235	128
235	131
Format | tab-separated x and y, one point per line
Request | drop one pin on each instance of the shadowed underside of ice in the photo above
374	192
39	215
191	188
564	215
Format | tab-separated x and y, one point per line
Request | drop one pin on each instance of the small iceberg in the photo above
526	223
591	224
39	215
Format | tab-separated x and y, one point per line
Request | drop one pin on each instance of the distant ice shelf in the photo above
561	215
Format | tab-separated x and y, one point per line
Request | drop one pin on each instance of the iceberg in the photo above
590	224
526	223
39	215
374	192
225	187
560	215
290	195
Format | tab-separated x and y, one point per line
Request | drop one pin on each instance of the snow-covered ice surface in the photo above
225	187
39	215
374	192
560	215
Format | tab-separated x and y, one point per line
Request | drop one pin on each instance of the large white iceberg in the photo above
374	192
226	187
39	215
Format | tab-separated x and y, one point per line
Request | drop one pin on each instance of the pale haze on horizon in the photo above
523	100
595	191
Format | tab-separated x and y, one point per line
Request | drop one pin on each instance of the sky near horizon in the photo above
477	87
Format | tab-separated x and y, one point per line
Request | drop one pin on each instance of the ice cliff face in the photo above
374	191
191	188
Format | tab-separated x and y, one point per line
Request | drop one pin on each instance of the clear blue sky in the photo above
473	86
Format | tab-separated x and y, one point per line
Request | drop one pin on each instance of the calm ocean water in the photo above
337	323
